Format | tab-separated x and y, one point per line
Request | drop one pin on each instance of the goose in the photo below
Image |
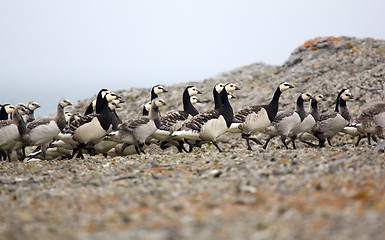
330	124
288	123
257	118
371	122
311	120
31	116
169	119
90	129
92	106
155	91
105	145
6	111
208	126
59	149
135	131
11	131
42	131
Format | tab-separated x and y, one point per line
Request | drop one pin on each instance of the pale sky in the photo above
51	49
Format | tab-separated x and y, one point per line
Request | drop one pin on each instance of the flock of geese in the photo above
101	131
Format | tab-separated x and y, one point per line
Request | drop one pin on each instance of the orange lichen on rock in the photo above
313	43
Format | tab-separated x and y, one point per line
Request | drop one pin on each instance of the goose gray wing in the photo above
36	123
4	123
171	118
131	124
281	115
240	116
81	121
199	120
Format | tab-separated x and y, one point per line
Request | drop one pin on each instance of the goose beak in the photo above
121	100
164	90
351	96
199	92
291	86
237	88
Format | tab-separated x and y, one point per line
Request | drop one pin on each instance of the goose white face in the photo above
111	96
194	99
9	108
192	91
285	86
306	96
22	109
159	102
147	106
67	116
346	95
113	105
159	89
319	98
231	87
64	102
33	105
104	93
219	87
230	96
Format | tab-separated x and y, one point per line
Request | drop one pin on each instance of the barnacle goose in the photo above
371	122
208	126
257	118
304	133
42	131
11	131
92	106
6	111
330	124
286	123
169	119
31	116
135	131
155	91
90	129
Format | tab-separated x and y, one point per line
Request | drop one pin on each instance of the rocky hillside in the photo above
321	65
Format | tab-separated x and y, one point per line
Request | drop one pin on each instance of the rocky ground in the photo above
332	193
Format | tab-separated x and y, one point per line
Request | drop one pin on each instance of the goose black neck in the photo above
226	109
217	99
90	109
272	108
18	120
60	117
101	102
145	112
3	114
155	114
344	111
300	109
188	107
153	94
338	100
314	109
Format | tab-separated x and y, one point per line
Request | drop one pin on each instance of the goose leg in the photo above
267	142
3	155
321	143
216	145
329	141
122	149
137	150
293	143
141	147
43	151
369	142
283	138
360	137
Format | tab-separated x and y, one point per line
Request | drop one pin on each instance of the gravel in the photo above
309	193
